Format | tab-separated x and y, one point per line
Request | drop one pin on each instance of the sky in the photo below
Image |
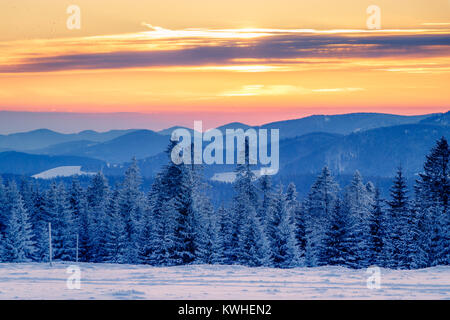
222	61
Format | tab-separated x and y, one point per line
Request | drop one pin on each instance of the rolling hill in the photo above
29	164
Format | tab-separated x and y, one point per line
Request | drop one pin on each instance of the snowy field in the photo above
106	281
66	171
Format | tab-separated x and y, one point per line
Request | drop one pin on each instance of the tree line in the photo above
264	225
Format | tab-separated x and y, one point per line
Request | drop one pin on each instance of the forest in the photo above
263	224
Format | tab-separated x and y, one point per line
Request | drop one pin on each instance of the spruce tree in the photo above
92	225
265	207
359	203
18	244
115	235
63	234
297	214
432	198
337	239
398	223
377	231
281	233
132	206
318	208
3	207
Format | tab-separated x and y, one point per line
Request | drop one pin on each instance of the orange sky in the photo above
248	61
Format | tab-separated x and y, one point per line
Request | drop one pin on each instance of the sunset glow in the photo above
226	71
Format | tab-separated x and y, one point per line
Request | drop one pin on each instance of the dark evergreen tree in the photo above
338	244
3	207
358	203
18	244
115	233
264	210
92	227
377	231
432	199
132	206
281	234
399	210
318	208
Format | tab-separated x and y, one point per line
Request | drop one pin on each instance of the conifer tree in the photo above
337	239
64	236
3	205
432	198
297	214
115	235
18	245
226	230
265	208
252	243
377	231
318	208
132	206
92	225
359	203
281	233
398	223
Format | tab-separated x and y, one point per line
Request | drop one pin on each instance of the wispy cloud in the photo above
276	90
225	50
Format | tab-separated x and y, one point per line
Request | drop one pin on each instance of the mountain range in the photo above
373	143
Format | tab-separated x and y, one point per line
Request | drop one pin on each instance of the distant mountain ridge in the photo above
43	138
372	143
29	164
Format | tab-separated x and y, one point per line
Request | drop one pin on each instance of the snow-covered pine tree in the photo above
208	244
247	237
359	203
39	220
432	194
18	244
253	247
185	230
63	234
244	181
115	235
163	241
418	238
265	185
397	227
3	204
226	228
26	191
78	207
318	207
173	205
297	215
337	240
377	231
281	234
2	249
132	206
151	236
157	240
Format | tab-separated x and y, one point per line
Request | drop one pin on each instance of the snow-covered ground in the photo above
66	171
107	281
229	177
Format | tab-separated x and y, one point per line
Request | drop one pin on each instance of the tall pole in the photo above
77	247
50	243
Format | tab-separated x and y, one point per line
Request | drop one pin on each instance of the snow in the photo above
65	171
229	177
199	282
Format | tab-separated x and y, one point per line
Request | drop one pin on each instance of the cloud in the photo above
276	90
161	47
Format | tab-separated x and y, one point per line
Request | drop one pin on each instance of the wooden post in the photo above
50	243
